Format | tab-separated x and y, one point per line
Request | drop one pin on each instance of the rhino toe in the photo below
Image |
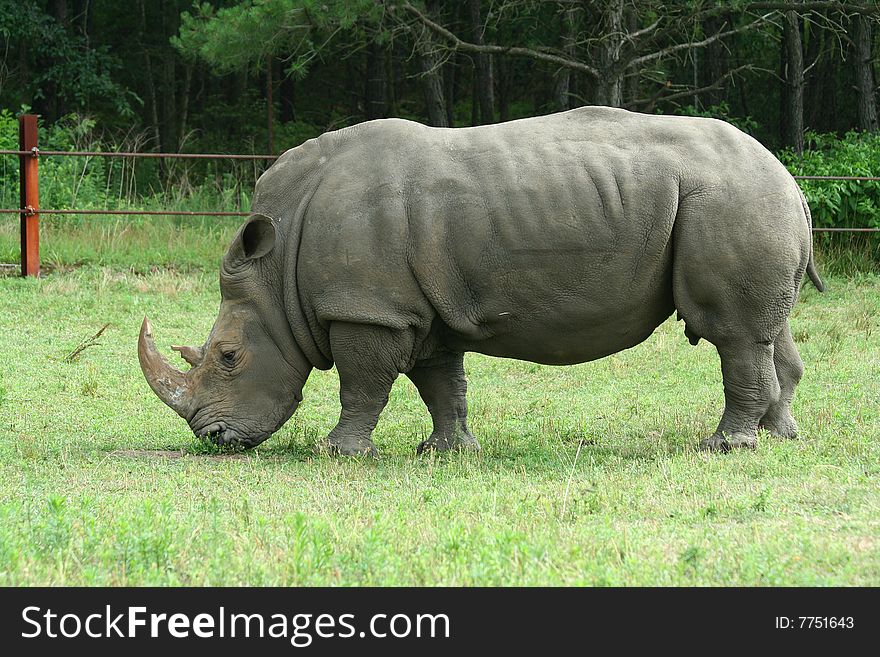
444	443
723	442
354	447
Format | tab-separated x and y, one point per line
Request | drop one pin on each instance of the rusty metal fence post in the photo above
29	190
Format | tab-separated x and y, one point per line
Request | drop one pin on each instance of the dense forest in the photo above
257	76
266	74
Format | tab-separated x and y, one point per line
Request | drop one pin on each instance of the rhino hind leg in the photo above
736	273
750	389
778	419
442	385
367	359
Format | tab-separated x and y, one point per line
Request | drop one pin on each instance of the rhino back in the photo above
547	239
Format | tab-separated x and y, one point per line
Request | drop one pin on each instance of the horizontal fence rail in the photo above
29	153
36	152
194	213
159	213
868	178
846	230
231	156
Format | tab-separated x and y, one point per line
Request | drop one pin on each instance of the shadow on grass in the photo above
508	452
500	452
176	454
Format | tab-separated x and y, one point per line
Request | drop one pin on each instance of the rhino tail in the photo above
814	275
811	264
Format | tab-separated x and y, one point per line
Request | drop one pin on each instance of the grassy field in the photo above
588	474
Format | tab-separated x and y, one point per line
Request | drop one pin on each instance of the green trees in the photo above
257	74
49	64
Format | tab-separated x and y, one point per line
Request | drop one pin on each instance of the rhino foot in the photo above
351	447
723	442
445	442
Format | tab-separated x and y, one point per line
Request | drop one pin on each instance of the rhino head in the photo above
247	379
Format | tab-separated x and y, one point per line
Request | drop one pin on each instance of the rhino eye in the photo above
229	357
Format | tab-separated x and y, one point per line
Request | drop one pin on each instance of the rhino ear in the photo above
254	240
258	236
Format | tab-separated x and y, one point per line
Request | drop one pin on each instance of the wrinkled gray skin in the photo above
390	247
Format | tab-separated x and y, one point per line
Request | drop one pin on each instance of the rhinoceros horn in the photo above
192	355
169	384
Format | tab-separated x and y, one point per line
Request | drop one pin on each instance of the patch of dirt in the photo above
234	456
149	453
9	270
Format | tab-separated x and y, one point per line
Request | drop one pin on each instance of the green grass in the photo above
130	242
102	484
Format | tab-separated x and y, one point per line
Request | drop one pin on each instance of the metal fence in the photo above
29	190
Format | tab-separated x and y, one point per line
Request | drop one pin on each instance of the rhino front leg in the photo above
367	360
443	387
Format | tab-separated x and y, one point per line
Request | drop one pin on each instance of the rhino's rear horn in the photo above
169	384
192	355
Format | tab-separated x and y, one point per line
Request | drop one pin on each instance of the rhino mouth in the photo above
221	434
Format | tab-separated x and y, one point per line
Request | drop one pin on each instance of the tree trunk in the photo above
865	81
485	83
610	87
475	93
432	76
286	99
184	102
82	10
376	91
562	90
504	74
631	80
793	123
154	104
397	76
715	63
814	41
49	105
169	104
151	84
270	105
449	72
432	82
61	12
168	126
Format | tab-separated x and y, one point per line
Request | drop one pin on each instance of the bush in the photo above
840	203
62	179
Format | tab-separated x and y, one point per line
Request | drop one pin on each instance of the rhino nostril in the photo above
211	431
